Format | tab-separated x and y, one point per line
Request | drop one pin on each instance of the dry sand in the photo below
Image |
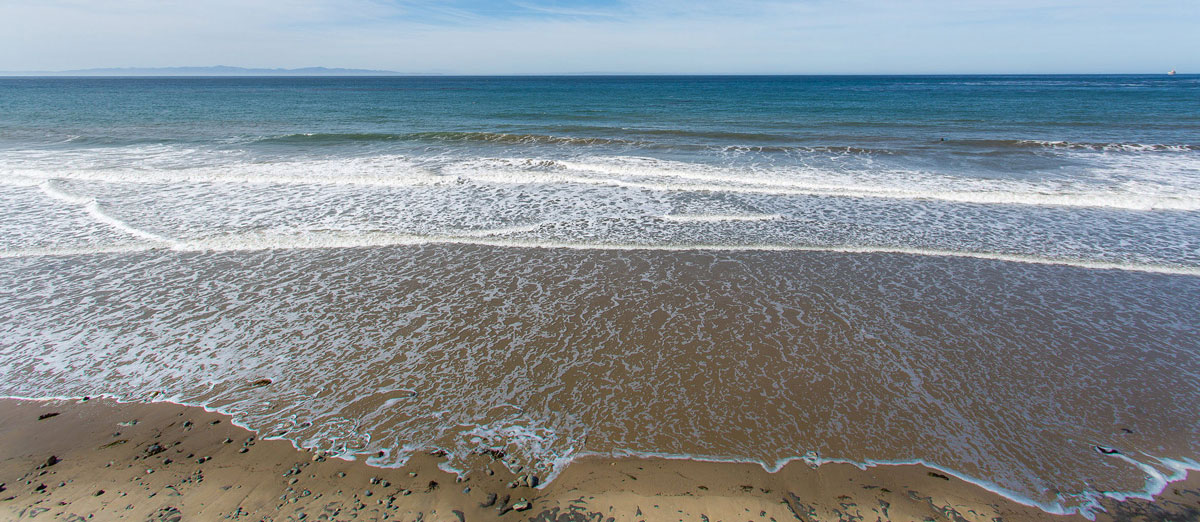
91	461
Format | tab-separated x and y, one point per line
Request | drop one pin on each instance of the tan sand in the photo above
92	462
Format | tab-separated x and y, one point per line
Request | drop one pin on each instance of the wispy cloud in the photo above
637	36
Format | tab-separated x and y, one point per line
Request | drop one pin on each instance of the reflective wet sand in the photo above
1048	383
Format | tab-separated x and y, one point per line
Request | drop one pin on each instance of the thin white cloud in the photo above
654	36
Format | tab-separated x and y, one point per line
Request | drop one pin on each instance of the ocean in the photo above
996	276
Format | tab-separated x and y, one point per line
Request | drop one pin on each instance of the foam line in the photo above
93	209
707	218
642	175
262	241
1033	196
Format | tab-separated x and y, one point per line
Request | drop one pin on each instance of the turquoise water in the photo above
993	275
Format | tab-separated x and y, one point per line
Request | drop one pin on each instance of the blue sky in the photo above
608	36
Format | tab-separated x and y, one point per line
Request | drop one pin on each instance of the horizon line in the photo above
391	74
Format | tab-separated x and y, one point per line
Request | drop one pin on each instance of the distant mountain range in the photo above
218	70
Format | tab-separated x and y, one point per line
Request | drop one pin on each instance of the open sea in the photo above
997	276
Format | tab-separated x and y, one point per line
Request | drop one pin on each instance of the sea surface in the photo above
997	276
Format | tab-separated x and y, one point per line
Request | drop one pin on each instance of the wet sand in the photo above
79	460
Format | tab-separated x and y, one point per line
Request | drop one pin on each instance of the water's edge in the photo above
1156	482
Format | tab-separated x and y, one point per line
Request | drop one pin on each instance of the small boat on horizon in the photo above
1171	72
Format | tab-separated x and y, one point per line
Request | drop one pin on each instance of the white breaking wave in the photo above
384	171
1127	187
663	176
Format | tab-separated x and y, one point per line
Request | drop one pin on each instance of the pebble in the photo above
243	450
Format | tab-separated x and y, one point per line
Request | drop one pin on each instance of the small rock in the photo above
45	416
367	493
491	501
341	474
521	505
50	461
154	449
374	480
243	450
98	493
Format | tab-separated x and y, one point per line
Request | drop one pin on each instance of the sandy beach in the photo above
101	460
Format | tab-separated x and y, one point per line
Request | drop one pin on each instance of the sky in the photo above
609	36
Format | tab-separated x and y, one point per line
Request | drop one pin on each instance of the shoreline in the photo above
189	462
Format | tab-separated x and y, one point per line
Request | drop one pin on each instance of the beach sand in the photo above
89	460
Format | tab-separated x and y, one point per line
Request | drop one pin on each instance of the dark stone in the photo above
491	500
50	461
154	449
45	416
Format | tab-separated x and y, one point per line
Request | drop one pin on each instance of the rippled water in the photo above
996	276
